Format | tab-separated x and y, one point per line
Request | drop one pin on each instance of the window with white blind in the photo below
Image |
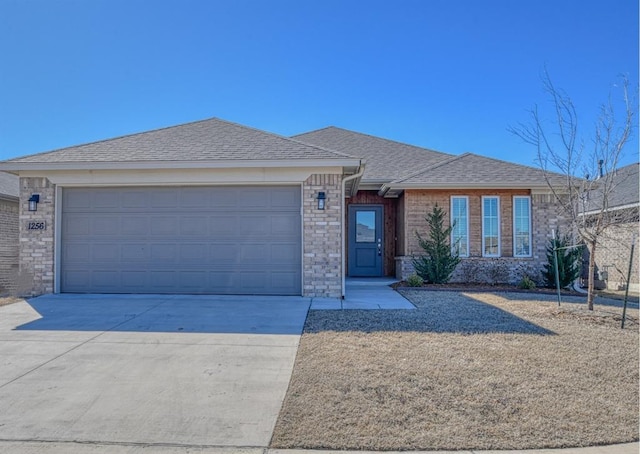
490	226
522	226
460	222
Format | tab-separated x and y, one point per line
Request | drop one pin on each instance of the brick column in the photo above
322	242
8	245
36	245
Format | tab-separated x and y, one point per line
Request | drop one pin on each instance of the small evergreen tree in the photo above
439	261
568	262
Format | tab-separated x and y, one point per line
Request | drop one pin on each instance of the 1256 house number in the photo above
36	225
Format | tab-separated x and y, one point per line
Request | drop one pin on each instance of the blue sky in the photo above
450	75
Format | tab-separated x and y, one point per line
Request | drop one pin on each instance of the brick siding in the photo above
475	268
322	244
8	245
613	253
36	246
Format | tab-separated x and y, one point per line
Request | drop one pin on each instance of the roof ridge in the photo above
189	123
376	138
433	166
290	139
315	130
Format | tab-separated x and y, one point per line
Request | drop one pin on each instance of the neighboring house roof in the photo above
9	186
387	160
622	187
626	186
214	141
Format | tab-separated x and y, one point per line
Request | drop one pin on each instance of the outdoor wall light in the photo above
322	198
33	202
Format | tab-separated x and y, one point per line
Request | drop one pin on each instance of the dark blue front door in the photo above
365	240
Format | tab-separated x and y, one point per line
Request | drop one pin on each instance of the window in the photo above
521	226
365	226
460	222
490	227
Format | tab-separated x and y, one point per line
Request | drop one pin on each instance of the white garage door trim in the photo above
267	266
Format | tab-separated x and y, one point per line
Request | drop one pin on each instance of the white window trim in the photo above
466	198
485	197
515	197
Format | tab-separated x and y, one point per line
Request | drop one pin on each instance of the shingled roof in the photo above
470	169
398	165
622	187
9	186
212	140
626	189
387	160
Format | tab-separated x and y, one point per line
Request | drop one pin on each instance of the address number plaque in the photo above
36	225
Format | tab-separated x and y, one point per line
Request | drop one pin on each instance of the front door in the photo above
365	240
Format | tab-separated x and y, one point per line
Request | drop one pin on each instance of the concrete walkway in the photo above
367	294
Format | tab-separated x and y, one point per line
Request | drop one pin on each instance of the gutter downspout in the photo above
342	233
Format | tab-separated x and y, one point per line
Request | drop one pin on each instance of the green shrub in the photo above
439	260
568	262
415	281
526	283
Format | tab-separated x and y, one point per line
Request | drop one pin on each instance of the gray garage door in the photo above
220	240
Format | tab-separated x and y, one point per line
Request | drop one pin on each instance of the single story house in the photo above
9	230
217	207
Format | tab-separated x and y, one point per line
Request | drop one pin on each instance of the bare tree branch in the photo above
584	198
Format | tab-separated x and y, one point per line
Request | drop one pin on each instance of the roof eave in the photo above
466	185
9	166
10	198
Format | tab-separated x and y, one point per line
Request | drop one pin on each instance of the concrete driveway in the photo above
138	372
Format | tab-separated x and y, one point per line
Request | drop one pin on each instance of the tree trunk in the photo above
590	281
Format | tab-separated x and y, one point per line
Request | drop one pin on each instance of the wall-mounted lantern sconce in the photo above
322	198
33	202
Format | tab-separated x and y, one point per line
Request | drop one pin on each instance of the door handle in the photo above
379	247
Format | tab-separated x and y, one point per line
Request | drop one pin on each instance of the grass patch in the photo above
4	301
464	371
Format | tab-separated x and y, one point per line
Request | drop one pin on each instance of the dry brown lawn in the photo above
9	300
464	371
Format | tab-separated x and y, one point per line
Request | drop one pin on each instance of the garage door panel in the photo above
77	252
164	225
105	252
222	225
134	252
163	280
164	252
104	200
223	198
284	199
134	225
194	252
74	201
284	226
164	198
223	253
105	279
194	225
76	225
134	199
133	280
284	253
182	240
105	225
